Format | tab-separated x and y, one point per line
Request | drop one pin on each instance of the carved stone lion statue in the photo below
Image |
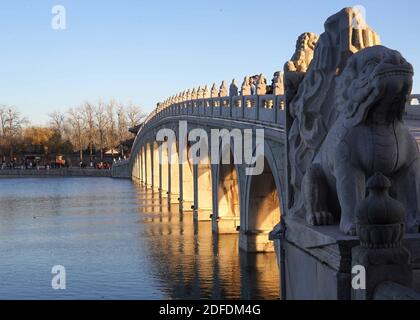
368	136
344	123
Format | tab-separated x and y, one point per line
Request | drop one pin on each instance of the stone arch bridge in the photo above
250	205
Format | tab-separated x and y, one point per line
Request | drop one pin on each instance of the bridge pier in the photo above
226	199
203	209
174	181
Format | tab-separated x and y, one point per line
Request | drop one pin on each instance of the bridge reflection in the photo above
193	262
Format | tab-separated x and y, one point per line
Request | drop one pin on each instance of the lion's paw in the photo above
348	228
320	218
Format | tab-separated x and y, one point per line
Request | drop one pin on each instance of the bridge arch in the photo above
262	206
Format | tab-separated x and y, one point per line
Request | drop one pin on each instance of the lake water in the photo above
116	241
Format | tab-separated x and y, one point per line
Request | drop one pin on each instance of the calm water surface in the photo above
117	241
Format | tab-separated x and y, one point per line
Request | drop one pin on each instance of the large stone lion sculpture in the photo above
368	136
344	123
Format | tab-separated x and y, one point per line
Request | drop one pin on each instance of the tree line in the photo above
90	127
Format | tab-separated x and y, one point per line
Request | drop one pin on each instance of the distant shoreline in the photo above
54	173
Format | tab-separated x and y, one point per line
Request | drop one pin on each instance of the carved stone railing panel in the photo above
237	110
281	114
216	107
225	109
266	109
251	107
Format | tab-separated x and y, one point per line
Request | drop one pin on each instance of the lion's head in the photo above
374	86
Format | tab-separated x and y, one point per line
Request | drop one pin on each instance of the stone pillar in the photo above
194	94
381	255
277	84
188	95
200	93
223	92
206	92
246	87
261	85
214	91
233	89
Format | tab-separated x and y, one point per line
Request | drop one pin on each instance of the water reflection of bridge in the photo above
197	263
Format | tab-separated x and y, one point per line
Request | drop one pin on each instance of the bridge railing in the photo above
267	105
262	108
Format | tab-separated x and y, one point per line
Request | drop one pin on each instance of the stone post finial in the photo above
200	92
223	92
188	95
380	218
233	90
246	87
194	94
214	91
206	92
261	85
278	84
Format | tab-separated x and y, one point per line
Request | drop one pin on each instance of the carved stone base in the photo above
382	265
318	260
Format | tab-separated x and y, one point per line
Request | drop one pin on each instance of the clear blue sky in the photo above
144	51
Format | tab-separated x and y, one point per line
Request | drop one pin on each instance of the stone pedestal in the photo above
318	260
187	206
225	225
255	241
203	214
382	265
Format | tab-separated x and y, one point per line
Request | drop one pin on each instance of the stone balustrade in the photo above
238	104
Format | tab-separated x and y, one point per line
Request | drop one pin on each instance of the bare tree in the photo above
134	115
11	123
89	119
57	121
77	129
112	135
101	122
122	127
